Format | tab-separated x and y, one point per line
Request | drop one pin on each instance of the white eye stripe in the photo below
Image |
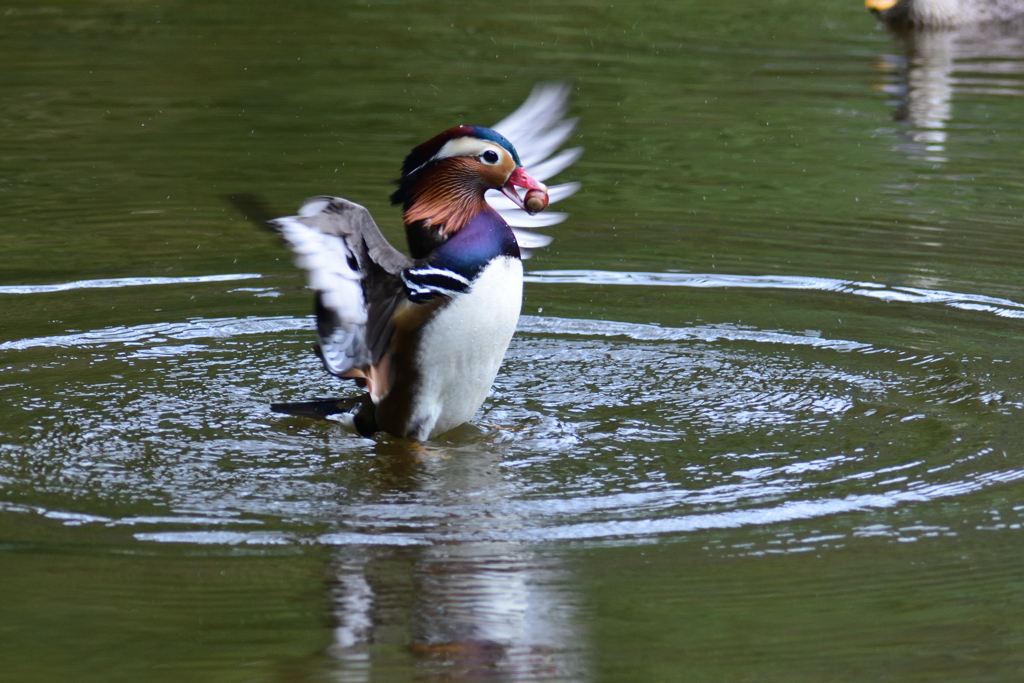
469	147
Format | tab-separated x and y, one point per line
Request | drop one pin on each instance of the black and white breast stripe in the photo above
427	283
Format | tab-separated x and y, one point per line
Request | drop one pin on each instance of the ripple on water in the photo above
595	429
1004	308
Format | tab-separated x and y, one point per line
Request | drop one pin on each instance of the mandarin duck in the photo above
425	334
904	14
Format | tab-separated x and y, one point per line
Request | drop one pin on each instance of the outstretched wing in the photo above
355	274
537	129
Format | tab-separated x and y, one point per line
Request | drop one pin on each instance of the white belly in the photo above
462	348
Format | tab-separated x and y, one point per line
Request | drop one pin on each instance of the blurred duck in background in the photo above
945	13
950	49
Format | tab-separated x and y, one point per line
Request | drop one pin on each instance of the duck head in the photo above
444	180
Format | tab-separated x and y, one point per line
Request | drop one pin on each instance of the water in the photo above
760	421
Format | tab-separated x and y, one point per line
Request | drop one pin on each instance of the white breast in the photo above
462	348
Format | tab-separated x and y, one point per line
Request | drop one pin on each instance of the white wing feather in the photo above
326	260
537	129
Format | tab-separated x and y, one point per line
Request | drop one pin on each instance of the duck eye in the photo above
489	157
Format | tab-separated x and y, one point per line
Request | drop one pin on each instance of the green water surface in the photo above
761	420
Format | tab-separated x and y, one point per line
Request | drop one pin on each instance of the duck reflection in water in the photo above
456	600
949	47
